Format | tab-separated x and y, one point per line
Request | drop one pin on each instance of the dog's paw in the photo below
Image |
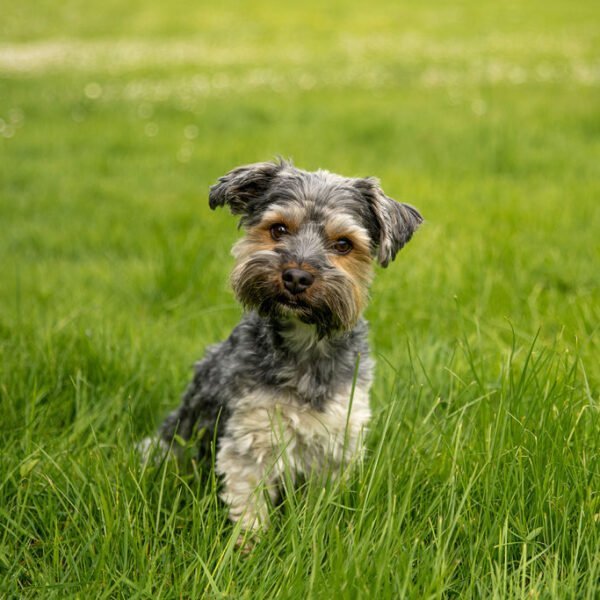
246	542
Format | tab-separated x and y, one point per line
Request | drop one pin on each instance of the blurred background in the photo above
116	117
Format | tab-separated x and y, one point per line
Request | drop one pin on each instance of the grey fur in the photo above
396	221
298	355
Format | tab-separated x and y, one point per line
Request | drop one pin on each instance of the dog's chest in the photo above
265	424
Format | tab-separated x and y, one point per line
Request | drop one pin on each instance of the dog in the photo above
287	394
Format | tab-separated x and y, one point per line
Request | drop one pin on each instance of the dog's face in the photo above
310	240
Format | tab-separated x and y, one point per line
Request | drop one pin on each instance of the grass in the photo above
483	471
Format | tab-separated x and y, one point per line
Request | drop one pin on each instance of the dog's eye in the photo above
278	230
342	246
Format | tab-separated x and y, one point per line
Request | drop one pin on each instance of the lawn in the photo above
482	478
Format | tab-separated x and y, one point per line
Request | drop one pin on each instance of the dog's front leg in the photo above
250	485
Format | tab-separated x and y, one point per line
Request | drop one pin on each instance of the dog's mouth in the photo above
293	302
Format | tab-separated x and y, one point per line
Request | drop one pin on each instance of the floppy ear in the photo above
395	222
243	186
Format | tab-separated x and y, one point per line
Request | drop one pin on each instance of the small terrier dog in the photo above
288	391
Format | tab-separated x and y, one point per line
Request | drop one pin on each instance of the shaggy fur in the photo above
289	388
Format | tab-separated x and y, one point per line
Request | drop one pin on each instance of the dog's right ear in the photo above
244	186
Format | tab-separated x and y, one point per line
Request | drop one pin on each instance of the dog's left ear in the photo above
395	222
243	187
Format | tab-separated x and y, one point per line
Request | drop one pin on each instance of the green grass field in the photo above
482	478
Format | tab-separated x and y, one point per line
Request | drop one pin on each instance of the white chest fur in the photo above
264	425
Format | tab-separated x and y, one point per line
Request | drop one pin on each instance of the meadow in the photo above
482	478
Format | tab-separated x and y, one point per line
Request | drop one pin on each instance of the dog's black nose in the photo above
297	280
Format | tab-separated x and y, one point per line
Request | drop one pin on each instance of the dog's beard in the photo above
328	304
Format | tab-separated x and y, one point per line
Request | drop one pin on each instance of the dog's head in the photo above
311	238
